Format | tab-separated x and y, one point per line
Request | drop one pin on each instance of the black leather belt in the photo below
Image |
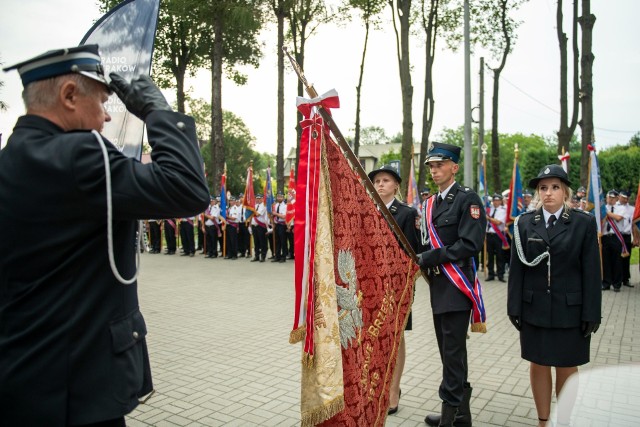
436	271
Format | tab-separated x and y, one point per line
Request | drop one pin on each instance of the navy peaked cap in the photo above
83	60
441	151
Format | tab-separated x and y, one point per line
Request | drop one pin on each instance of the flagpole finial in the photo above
516	150
484	149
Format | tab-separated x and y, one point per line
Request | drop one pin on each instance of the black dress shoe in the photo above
616	289
185	254
275	260
627	284
606	288
255	259
290	257
501	279
489	279
392	411
241	255
282	260
261	259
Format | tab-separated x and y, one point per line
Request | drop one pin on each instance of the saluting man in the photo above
73	346
456	222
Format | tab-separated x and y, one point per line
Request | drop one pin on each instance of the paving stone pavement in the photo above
218	341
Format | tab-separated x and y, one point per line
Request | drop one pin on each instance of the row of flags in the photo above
249	198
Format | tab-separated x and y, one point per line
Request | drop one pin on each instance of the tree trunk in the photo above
587	21
356	139
495	139
280	142
566	129
403	8
217	143
430	27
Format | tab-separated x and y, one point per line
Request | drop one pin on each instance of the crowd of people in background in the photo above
258	235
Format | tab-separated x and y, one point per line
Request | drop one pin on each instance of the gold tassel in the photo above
327	411
307	360
297	335
479	327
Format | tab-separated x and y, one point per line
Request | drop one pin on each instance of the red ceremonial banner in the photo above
375	280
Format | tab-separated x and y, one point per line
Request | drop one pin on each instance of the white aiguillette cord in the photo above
537	259
112	262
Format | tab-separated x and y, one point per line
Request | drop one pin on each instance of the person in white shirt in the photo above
279	218
259	229
233	217
611	245
625	230
496	219
212	227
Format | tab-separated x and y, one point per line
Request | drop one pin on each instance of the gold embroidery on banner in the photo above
349	300
322	383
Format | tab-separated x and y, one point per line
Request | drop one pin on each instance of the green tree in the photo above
233	29
238	145
372	135
180	46
635	140
619	168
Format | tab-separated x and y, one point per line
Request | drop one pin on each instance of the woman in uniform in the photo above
554	286
387	183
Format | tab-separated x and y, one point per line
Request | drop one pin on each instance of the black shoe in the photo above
616	289
192	254
290	257
185	254
627	284
233	258
170	253
209	256
393	410
255	259
261	259
501	279
241	255
489	279
606	288
282	260
275	260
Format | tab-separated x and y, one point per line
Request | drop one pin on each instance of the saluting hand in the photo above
141	97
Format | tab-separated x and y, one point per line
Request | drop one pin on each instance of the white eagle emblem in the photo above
547	170
349	298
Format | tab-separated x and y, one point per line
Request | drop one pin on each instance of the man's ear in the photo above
68	94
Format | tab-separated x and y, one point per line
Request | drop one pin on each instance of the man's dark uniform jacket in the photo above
72	338
571	298
462	237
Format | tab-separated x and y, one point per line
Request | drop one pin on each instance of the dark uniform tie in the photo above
438	200
609	225
550	222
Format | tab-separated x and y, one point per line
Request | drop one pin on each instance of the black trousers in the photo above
495	253
626	266
451	332
186	234
290	243
117	422
243	239
232	241
260	241
281	241
212	240
154	235
170	236
611	261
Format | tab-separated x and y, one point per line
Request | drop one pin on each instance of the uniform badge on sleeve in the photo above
475	211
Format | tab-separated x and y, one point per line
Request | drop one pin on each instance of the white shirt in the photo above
280	208
234	214
499	213
626	211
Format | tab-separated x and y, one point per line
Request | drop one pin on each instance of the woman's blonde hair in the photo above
536	201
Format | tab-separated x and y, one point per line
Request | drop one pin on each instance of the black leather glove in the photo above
141	96
589	328
515	320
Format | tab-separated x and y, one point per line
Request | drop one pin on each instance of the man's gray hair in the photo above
41	94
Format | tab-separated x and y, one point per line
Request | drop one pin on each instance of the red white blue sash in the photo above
616	231
501	236
457	277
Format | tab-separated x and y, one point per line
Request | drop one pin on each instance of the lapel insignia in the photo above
393	209
475	211
546	171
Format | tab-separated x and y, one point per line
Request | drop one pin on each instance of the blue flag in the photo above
125	37
595	197
223	195
482	185
515	202
268	192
